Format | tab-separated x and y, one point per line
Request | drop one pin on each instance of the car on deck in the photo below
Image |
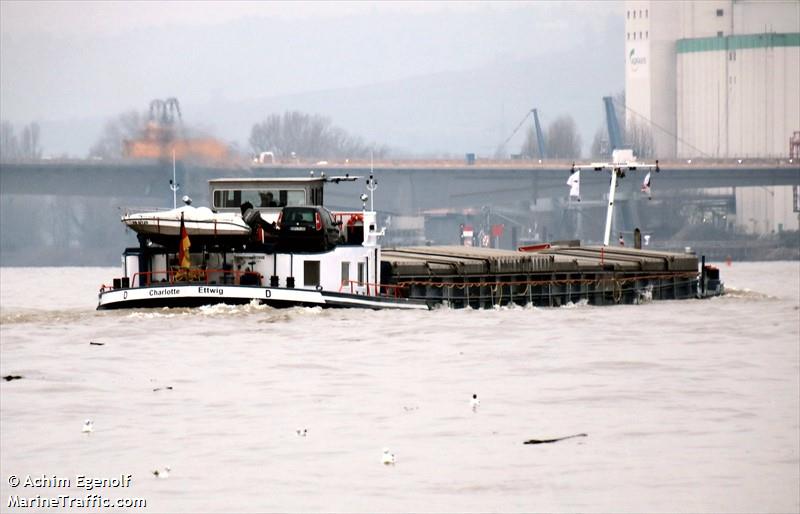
307	228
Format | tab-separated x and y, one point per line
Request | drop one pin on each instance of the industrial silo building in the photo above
714	78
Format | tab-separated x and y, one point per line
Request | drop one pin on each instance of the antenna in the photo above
372	184
173	185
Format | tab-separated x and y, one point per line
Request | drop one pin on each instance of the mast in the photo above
610	211
622	161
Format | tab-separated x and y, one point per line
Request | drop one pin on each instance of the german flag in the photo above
183	247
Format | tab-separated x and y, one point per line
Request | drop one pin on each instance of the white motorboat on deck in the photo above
161	226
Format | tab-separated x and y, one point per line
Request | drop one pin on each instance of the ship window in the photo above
345	274
267	198
720	12
233	198
311	273
361	273
223	198
293	197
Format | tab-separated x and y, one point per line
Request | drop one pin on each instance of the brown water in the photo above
689	406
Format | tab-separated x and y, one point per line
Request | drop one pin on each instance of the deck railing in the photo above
197	275
388	290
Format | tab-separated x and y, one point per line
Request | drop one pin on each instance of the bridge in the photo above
67	212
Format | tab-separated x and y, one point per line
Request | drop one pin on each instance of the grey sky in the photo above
78	61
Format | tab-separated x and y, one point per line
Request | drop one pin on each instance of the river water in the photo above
688	406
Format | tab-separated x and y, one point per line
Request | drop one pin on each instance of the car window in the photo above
300	216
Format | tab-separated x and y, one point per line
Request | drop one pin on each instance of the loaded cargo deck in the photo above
461	276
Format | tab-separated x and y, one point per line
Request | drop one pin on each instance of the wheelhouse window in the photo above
345	273
231	198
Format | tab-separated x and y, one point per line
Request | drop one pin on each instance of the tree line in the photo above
297	134
23	147
294	134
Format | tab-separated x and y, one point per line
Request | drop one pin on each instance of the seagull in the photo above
475	403
388	459
162	473
302	432
88	426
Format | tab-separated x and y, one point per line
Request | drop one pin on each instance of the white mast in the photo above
610	212
622	160
172	183
372	184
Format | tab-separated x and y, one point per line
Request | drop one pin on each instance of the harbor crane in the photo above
537	128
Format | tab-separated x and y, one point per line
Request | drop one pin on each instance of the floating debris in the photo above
94	343
543	441
162	473
168	388
9	378
88	426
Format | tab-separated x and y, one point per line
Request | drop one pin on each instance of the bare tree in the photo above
128	125
640	138
306	135
25	147
530	147
563	140
9	146
600	145
29	144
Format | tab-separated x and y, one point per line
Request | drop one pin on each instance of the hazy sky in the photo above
71	61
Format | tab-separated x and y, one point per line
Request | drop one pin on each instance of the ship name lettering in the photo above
164	292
